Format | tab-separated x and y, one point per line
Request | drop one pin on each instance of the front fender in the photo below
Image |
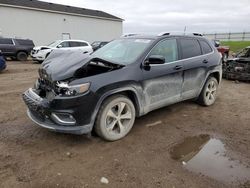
109	93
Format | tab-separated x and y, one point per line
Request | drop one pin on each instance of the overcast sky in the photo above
155	16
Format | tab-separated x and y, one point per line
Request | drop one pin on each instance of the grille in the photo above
34	107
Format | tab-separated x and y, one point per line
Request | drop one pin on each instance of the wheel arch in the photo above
130	92
216	75
25	51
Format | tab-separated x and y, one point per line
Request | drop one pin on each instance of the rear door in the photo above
195	66
81	46
162	84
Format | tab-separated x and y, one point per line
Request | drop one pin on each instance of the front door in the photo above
162	83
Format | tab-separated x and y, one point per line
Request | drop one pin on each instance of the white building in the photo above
45	22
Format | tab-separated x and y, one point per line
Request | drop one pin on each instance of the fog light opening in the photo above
63	118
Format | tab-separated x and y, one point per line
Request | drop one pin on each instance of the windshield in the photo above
123	51
54	44
96	43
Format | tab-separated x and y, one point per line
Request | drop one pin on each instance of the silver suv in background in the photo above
40	53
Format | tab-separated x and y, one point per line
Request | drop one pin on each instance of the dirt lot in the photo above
34	157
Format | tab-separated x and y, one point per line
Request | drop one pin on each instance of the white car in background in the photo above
40	53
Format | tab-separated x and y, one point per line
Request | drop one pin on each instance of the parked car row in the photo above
20	49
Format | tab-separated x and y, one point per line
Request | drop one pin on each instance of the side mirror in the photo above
217	43
59	46
155	60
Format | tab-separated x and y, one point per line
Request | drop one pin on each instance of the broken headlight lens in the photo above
72	90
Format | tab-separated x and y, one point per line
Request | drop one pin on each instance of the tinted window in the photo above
74	44
77	44
25	42
65	44
168	49
6	41
205	47
190	48
83	44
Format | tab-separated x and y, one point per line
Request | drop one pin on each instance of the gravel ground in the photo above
34	157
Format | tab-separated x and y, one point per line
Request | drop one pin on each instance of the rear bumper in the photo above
40	112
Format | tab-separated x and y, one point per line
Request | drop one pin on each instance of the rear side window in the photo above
25	42
77	44
205	47
167	49
83	44
6	41
190	48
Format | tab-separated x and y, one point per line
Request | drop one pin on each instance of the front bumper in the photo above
62	129
40	112
37	58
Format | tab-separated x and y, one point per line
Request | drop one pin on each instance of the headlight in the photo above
72	90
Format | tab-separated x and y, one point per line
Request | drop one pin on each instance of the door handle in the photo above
178	67
205	61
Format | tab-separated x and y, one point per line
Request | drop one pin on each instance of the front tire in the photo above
209	92
115	118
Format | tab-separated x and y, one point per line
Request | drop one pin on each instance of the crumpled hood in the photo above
40	47
62	64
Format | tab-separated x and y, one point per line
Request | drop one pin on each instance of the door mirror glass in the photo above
59	46
216	43
155	59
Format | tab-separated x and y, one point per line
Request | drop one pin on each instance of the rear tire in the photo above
115	118
209	92
21	56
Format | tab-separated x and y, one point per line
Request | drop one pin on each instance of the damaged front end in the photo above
237	69
56	102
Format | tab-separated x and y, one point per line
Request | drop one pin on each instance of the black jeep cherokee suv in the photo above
17	49
127	78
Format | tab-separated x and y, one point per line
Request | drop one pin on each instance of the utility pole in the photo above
185	29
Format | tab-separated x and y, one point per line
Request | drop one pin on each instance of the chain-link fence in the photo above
239	36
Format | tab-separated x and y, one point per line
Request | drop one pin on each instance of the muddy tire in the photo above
115	118
209	92
21	56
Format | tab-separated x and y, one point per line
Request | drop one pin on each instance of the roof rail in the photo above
178	33
198	34
130	35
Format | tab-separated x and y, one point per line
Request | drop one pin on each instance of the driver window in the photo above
168	49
